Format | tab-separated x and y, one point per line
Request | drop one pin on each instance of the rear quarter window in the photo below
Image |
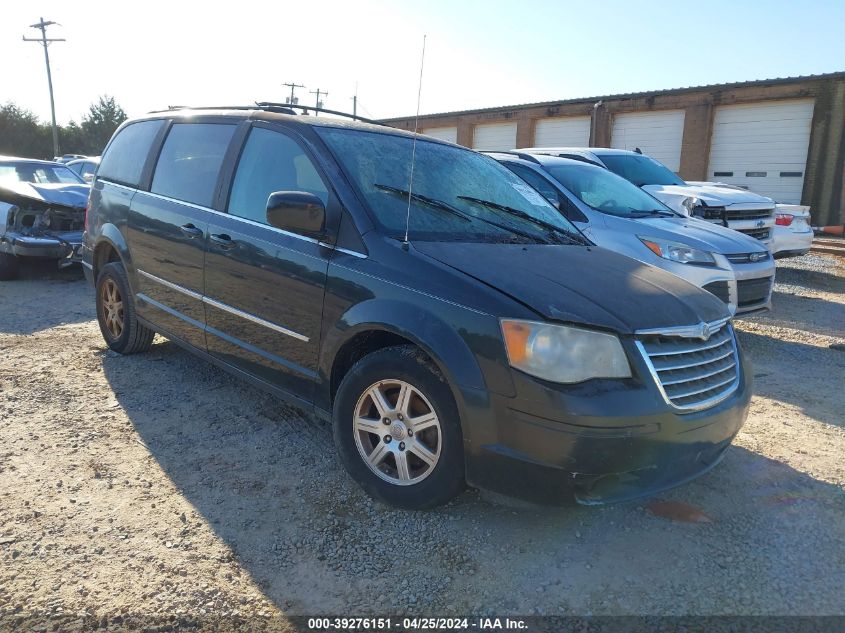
125	156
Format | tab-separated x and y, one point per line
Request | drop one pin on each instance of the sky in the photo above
150	54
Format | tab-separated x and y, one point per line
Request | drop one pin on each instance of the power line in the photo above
293	100
318	104
44	41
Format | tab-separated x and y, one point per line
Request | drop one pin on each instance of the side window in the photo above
124	159
271	162
190	161
535	180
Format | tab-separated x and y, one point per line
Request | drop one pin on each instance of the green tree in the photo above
22	134
98	125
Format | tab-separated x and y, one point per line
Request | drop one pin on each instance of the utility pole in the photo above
44	41
293	100
355	103
319	103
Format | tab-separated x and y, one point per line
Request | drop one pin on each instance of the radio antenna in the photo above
414	148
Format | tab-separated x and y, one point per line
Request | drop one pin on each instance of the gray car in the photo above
621	217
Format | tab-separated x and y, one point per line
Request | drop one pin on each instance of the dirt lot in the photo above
157	484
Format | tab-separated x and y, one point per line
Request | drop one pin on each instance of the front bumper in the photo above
63	246
598	442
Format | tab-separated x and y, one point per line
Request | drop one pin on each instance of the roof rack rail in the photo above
522	155
282	110
270	104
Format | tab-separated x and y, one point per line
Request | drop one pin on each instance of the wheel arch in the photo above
110	247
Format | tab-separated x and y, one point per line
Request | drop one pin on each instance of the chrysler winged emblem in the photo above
704	331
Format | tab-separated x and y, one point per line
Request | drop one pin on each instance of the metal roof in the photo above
629	95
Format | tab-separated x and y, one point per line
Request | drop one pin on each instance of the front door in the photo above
168	225
264	286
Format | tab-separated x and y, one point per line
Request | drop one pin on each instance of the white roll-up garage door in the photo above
443	133
570	131
494	136
658	134
762	147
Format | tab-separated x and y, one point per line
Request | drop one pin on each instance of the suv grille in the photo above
760	234
693	373
751	291
745	258
750	214
720	289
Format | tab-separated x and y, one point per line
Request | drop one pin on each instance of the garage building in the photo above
783	138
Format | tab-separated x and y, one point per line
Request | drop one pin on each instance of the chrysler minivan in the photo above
451	324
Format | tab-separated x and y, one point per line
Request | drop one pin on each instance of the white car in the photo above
793	233
734	208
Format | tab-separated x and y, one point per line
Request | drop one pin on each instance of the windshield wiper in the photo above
525	216
445	206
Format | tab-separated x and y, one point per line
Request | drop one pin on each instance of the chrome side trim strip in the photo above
87	265
171	285
254	319
686	331
225	307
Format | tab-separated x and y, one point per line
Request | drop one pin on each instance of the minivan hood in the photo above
585	285
694	232
711	195
68	195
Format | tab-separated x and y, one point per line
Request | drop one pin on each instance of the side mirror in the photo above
298	212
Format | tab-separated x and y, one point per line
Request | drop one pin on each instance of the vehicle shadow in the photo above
810	279
265	477
44	296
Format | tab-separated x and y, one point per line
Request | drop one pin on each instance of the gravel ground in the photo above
157	485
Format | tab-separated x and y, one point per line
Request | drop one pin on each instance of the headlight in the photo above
689	205
677	252
560	353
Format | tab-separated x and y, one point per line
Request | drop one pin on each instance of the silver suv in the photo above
618	216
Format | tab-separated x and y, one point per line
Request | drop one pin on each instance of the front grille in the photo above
693	373
720	289
760	234
752	291
750	214
745	258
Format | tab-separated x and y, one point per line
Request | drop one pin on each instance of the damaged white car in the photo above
42	213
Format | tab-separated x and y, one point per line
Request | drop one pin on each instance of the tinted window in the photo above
271	162
124	159
461	195
190	161
640	170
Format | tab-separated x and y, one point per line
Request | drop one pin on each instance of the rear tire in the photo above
397	429
116	312
9	265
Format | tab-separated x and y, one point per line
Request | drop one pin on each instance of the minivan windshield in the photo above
607	192
641	170
457	194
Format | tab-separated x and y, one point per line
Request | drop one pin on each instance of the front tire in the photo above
397	429
116	312
9	265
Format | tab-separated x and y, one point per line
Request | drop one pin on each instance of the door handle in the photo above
189	230
223	241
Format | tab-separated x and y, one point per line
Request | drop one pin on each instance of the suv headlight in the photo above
677	252
560	353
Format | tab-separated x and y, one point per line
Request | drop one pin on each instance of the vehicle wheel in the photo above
116	313
397	429
8	266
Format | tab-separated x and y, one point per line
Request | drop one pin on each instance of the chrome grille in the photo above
745	258
760	234
692	373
